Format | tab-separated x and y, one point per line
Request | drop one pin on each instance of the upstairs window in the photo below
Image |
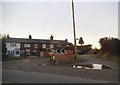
26	45
43	45
51	46
13	44
35	45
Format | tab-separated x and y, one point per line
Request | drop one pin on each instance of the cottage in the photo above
18	46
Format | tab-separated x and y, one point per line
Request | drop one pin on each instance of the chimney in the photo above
66	40
8	36
30	37
51	37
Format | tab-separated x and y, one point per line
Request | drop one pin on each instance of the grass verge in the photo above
113	58
13	58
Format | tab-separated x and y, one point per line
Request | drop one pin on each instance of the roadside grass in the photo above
13	58
113	58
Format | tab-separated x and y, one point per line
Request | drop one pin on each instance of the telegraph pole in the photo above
75	47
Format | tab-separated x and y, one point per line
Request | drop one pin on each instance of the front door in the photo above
17	53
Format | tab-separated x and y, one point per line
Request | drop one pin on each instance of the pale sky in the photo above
94	20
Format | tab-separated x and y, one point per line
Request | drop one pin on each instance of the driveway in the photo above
41	65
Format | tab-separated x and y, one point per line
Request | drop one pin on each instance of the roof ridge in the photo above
26	40
36	39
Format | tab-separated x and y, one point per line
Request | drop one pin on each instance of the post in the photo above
75	47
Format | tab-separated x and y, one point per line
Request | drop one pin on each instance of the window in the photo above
67	45
26	45
59	45
13	44
17	52
27	50
35	45
34	51
43	45
51	46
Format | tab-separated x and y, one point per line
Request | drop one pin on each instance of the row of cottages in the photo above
20	46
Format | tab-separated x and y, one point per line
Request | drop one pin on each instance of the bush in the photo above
110	46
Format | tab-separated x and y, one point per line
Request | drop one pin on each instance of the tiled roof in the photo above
24	40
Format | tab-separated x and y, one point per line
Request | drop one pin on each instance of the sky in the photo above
93	19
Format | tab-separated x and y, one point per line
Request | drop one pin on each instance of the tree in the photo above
110	46
4	49
81	41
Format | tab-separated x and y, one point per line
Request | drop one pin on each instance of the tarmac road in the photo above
15	76
39	65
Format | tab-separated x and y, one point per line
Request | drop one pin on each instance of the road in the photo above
40	65
15	76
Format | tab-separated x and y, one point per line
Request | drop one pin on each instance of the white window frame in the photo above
59	45
35	45
51	46
34	51
43	45
26	45
12	44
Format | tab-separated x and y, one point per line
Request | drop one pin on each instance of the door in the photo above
17	53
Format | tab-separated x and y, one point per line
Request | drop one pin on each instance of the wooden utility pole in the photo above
75	47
